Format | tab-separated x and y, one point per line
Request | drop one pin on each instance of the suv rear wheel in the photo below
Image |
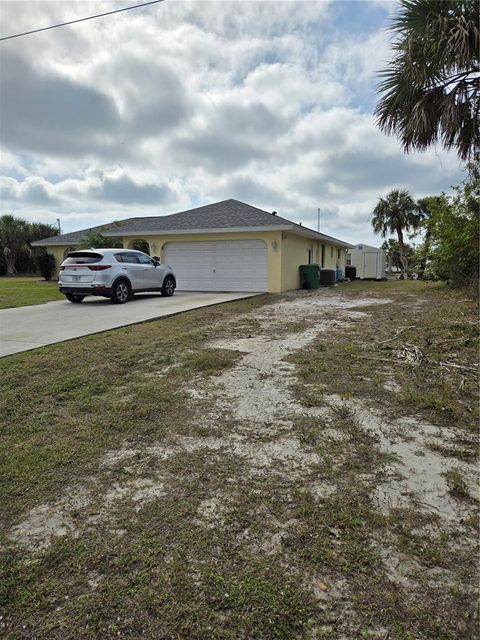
168	287
120	292
73	297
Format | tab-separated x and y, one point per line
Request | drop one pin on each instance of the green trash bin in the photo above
309	276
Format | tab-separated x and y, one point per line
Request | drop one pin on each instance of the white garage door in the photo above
223	265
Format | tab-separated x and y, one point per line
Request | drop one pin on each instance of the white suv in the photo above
113	273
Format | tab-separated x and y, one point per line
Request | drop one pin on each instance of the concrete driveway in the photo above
35	326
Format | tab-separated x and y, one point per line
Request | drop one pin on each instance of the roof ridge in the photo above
203	206
270	213
252	206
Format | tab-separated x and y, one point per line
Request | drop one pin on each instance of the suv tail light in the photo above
99	267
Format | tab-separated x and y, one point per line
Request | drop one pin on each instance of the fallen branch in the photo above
437	344
457	366
400	331
409	361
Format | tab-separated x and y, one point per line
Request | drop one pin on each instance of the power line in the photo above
64	24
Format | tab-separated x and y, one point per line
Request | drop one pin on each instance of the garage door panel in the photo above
223	265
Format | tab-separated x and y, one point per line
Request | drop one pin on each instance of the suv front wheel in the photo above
120	292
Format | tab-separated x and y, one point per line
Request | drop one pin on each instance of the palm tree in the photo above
431	89
13	240
390	248
41	230
395	213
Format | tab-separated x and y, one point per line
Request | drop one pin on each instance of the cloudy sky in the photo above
180	104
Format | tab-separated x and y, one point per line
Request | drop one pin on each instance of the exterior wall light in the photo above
274	245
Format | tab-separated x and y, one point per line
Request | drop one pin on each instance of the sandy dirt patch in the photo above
257	394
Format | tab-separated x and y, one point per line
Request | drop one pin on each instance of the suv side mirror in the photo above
156	262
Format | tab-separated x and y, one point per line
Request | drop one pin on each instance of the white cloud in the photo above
156	110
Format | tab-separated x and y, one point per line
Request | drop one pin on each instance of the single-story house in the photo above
225	246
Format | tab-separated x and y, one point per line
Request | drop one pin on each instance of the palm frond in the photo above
431	88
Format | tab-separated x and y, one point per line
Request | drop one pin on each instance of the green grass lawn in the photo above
221	549
20	291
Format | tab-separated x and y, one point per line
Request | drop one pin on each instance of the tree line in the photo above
16	252
445	229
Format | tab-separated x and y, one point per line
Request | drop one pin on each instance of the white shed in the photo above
370	261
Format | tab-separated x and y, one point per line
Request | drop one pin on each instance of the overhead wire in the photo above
64	24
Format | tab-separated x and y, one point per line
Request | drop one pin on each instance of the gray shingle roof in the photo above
228	214
75	237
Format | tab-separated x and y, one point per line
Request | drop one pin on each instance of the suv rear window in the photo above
83	257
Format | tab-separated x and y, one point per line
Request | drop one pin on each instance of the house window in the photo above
348	260
338	253
310	256
323	256
331	252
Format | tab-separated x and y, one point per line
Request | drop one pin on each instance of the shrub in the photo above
46	264
96	240
455	250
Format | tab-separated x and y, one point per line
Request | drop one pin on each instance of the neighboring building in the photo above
369	261
225	246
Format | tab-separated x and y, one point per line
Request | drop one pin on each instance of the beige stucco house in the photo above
225	246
